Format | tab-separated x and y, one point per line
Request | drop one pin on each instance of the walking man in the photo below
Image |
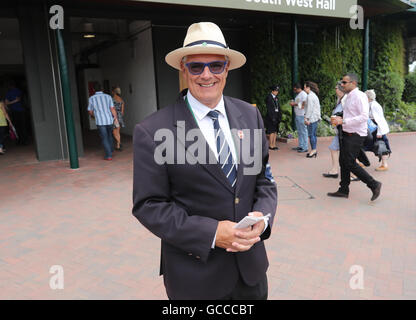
354	131
101	108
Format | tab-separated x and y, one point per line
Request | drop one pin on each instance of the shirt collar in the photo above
98	92
200	110
273	96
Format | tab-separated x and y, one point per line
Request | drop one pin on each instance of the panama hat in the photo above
204	38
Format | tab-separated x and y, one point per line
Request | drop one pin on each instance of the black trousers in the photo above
244	292
350	148
19	122
3	133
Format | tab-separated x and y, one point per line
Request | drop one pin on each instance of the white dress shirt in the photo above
205	123
355	113
276	108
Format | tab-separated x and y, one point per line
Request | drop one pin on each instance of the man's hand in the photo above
249	234
235	240
239	240
335	121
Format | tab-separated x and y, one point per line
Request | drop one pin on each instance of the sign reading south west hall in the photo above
328	8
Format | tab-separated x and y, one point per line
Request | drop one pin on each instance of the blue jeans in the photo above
312	134
302	132
106	134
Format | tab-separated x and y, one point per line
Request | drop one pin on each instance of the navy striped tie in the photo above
225	157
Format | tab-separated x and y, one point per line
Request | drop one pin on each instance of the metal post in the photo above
66	92
366	55
295	61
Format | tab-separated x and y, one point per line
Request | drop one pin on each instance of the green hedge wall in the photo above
409	94
270	64
388	67
325	60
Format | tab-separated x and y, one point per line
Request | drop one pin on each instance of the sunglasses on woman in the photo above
216	67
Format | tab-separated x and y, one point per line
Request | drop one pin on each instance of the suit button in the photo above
237	200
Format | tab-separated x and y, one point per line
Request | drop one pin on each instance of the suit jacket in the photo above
182	204
273	117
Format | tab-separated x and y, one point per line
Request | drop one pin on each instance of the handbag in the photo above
12	133
380	149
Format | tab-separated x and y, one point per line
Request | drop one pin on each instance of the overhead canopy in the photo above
327	8
408	17
380	7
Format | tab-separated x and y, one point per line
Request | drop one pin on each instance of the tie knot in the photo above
213	114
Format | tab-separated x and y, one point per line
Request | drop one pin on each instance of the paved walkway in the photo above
81	220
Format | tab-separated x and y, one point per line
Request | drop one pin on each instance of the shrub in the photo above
409	93
286	123
411	125
407	110
388	87
401	123
324	129
395	127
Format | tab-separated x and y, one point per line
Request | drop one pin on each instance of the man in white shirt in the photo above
354	132
299	108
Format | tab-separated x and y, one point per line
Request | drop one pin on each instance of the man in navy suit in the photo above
192	194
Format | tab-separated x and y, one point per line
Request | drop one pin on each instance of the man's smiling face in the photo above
206	87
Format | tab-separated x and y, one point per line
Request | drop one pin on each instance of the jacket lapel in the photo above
184	121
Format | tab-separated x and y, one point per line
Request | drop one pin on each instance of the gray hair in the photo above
371	94
340	87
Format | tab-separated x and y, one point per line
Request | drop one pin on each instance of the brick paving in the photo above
81	220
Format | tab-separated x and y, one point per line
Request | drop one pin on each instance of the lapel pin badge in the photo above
241	134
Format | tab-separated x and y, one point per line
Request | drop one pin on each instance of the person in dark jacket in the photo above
194	205
273	116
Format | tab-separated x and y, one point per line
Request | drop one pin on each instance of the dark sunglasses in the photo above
215	67
345	82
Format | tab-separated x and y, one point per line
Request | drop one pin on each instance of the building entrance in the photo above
14	90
